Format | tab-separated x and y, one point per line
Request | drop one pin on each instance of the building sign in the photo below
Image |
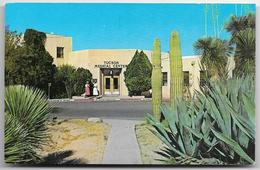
111	64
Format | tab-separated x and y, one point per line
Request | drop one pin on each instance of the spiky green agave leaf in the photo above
26	112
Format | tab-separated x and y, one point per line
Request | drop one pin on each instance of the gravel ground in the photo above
148	143
87	140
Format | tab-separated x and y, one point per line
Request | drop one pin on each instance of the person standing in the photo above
87	89
95	89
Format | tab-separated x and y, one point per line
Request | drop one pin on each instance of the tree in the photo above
27	61
242	30
72	79
245	52
43	68
81	76
138	74
214	56
66	74
236	24
13	50
58	89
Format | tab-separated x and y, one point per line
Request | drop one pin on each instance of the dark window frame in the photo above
164	78
186	78
60	52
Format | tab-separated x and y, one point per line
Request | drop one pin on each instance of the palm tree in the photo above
236	24
214	56
242	30
245	51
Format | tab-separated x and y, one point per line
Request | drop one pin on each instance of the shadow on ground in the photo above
60	158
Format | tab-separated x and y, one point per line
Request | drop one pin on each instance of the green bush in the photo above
81	76
28	62
216	127
58	89
26	113
138	74
70	80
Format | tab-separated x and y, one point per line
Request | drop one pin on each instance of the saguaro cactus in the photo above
156	79
176	74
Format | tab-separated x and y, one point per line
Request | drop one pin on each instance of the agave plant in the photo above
216	127
231	105
26	111
186	135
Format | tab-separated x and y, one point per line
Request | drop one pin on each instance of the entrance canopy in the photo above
111	71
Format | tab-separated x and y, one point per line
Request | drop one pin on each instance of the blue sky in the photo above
117	26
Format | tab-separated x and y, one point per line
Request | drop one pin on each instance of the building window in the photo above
202	78
164	80
60	52
186	78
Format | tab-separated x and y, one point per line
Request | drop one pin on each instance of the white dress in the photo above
95	90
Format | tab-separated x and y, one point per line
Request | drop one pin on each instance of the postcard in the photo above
130	84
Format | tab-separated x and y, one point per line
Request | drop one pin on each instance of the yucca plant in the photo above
214	56
216	127
26	113
245	41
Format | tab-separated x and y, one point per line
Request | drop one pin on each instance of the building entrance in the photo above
111	81
111	85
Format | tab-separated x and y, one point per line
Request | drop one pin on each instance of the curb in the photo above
118	99
95	99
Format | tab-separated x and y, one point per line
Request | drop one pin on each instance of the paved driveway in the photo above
131	110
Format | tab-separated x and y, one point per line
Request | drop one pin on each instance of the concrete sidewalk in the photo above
122	146
100	99
123	98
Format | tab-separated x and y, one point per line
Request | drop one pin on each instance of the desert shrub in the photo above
26	113
216	127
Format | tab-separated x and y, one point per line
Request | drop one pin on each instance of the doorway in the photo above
111	85
110	81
